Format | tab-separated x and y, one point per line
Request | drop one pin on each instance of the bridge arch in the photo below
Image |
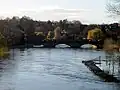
69	44
62	46
88	46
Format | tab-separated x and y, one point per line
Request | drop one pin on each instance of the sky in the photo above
86	11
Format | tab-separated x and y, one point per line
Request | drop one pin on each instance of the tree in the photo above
57	33
76	22
39	36
3	46
27	24
50	35
95	34
65	24
3	42
12	31
113	7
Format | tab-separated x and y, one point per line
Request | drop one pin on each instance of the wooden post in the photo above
113	67
100	60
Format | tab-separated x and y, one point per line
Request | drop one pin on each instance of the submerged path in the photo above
96	70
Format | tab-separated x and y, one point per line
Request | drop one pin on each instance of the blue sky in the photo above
87	11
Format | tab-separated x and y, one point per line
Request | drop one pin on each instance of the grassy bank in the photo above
4	52
111	45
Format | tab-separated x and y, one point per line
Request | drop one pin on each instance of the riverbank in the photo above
111	45
4	52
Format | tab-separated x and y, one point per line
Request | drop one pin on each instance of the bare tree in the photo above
57	33
113	7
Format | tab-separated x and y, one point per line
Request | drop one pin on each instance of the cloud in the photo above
70	14
57	13
49	13
70	10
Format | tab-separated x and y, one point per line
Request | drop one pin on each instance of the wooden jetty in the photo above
97	71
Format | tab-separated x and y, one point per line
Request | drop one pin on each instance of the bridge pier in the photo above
49	44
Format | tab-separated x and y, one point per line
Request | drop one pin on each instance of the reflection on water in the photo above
50	69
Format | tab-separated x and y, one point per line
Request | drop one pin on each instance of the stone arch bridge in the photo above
72	44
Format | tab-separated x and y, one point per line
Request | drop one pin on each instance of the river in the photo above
51	69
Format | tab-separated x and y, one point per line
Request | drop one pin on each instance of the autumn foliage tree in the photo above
50	35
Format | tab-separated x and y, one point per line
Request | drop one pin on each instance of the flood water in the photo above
51	69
